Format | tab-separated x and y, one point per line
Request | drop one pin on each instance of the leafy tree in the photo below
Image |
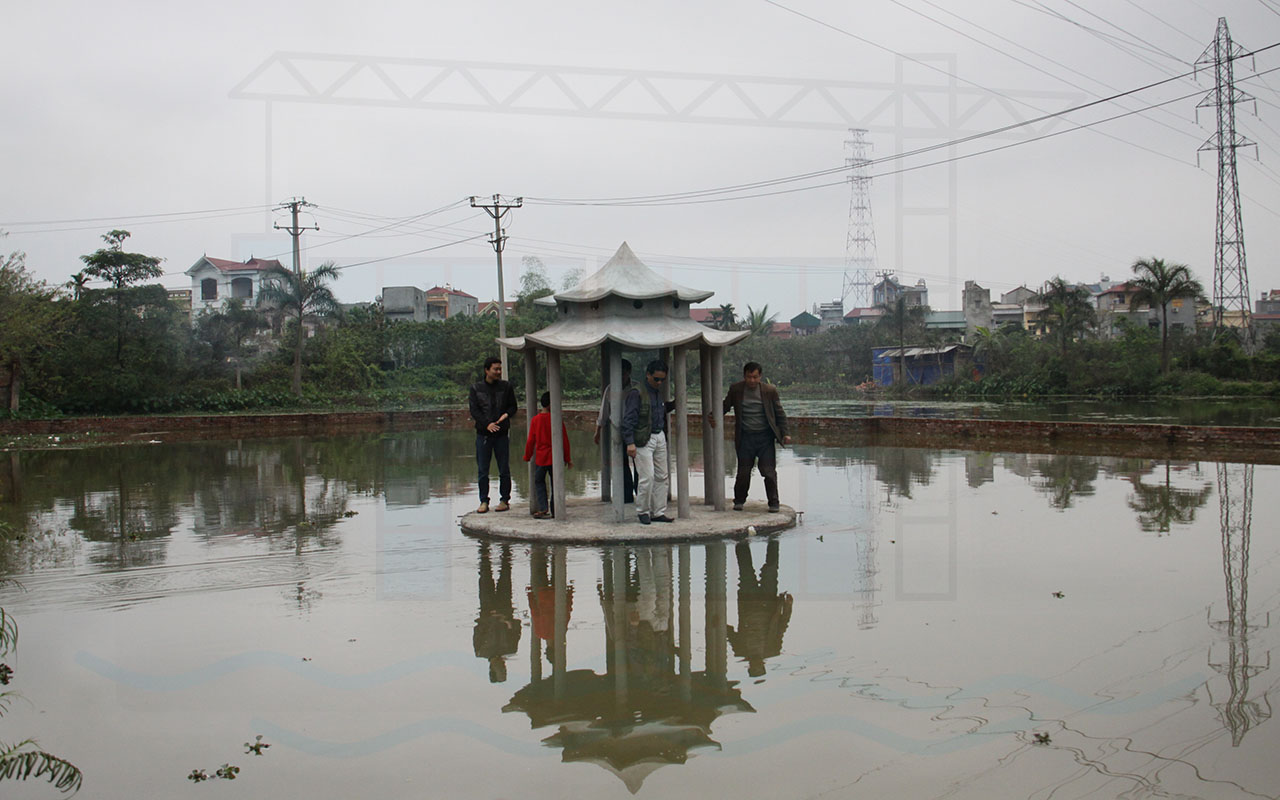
300	296
122	270
725	318
759	322
572	278
533	276
229	330
33	321
1161	506
1068	311
898	316
1159	284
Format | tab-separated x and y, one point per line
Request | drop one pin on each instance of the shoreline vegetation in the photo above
128	349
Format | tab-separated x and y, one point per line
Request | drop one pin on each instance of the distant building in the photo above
1267	310
1018	297
181	299
215	280
444	302
804	324
411	304
858	316
831	314
781	330
888	290
1119	303
977	309
921	366
491	308
702	316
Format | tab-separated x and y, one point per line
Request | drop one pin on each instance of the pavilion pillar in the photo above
717	434
716	620
681	378
686	635
606	474
560	587
617	451
708	468
557	437
669	357
530	406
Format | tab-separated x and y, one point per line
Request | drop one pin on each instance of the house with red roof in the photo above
216	280
411	304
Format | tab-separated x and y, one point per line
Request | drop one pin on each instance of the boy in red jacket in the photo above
538	447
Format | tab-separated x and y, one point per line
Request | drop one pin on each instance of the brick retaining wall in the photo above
1261	445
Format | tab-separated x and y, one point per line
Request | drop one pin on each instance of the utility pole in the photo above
498	209
295	205
1230	275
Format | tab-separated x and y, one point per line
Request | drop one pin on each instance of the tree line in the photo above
128	348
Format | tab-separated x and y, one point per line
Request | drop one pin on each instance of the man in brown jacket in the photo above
759	422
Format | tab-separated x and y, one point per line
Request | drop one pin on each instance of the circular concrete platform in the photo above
590	521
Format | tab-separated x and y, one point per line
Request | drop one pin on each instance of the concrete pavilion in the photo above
627	306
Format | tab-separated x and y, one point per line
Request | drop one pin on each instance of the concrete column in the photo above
681	378
557	440
617	450
530	405
704	366
620	569
717	617
717	435
559	647
686	635
668	357
606	474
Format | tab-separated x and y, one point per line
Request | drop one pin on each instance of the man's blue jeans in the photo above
498	447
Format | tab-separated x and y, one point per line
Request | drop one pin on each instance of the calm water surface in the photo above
934	612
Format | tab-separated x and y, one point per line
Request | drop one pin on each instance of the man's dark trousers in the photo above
755	448
498	447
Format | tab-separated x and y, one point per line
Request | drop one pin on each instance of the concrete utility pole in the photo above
295	205
498	209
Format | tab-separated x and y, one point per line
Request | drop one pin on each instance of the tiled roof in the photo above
257	264
447	290
700	314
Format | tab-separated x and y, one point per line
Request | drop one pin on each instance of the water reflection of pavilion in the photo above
650	706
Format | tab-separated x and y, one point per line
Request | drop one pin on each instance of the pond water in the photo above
942	624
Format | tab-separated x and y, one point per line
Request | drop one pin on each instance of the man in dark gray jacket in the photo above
759	422
493	404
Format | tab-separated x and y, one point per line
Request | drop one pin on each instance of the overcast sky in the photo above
117	113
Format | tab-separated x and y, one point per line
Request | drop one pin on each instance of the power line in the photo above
129	217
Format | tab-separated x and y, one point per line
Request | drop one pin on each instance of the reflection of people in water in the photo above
763	613
542	601
497	631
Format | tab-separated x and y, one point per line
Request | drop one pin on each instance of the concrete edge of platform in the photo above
591	522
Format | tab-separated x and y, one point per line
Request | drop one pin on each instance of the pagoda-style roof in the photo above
625	275
627	303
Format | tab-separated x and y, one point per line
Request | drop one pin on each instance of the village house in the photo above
215	280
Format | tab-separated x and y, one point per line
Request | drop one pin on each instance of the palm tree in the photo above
759	322
897	316
724	317
1159	284
300	295
1067	310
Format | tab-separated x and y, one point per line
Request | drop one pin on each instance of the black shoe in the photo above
663	518
644	519
737	506
774	508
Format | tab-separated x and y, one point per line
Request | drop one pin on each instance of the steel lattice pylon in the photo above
1230	276
1235	515
860	246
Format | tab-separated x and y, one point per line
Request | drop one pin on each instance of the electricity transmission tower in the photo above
1230	277
860	246
1239	711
